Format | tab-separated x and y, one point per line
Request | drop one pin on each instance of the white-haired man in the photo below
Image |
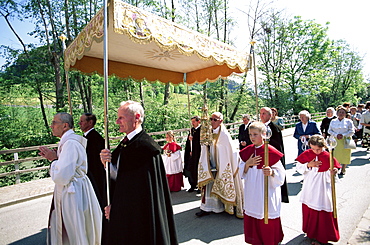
140	210
218	175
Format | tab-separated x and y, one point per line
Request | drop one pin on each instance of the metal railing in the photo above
181	136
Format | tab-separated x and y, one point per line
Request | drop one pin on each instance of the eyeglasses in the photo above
214	119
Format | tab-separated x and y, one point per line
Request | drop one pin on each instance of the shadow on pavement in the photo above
294	188
184	197
35	239
207	228
289	166
363	238
301	239
359	153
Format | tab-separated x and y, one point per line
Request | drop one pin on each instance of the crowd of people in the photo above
86	209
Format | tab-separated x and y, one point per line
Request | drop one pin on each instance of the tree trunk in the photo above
81	90
44	117
238	100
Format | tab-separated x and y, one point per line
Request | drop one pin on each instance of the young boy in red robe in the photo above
252	170
173	163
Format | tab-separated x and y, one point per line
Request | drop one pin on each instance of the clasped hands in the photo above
47	153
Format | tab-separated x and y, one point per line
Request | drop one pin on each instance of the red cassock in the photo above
318	220
255	230
173	166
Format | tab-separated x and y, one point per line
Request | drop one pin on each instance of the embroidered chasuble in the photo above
223	158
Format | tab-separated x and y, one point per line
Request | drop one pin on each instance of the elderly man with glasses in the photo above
217	174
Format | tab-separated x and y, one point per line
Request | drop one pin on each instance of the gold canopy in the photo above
143	45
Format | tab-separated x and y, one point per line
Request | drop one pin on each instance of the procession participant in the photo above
74	200
279	121
342	128
173	163
324	127
304	130
192	154
243	135
140	210
317	207
253	171
356	117
365	122
218	173
95	170
276	141
95	143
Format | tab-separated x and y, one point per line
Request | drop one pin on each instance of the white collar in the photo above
88	131
135	132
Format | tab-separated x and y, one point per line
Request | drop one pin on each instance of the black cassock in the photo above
191	162
276	141
96	173
95	169
141	210
244	136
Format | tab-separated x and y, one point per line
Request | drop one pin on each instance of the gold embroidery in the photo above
143	27
225	184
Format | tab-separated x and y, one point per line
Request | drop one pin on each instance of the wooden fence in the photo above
181	135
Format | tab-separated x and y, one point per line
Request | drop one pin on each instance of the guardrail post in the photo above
16	166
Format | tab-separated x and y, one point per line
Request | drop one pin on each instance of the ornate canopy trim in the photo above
141	39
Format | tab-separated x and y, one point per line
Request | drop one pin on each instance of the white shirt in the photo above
344	127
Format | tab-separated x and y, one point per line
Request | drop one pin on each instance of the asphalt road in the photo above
25	223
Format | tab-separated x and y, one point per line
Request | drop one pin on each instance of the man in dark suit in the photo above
192	154
243	136
95	143
95	170
140	210
276	141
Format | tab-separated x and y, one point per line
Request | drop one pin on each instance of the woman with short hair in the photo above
304	130
342	128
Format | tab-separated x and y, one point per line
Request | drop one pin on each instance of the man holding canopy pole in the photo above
140	210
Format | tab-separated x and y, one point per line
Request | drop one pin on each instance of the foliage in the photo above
301	69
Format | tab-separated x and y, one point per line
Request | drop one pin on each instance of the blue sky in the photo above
349	20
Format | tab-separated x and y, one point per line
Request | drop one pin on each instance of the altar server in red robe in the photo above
173	163
317	206
252	170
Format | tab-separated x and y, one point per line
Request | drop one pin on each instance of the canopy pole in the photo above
63	38
255	76
187	91
105	60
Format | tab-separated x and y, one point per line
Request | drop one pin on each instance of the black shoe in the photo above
202	213
191	189
198	191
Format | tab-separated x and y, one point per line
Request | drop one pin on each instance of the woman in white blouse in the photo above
342	128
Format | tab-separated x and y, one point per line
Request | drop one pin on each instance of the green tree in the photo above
290	51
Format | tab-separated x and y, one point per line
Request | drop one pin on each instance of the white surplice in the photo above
254	190
76	208
173	163
318	182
